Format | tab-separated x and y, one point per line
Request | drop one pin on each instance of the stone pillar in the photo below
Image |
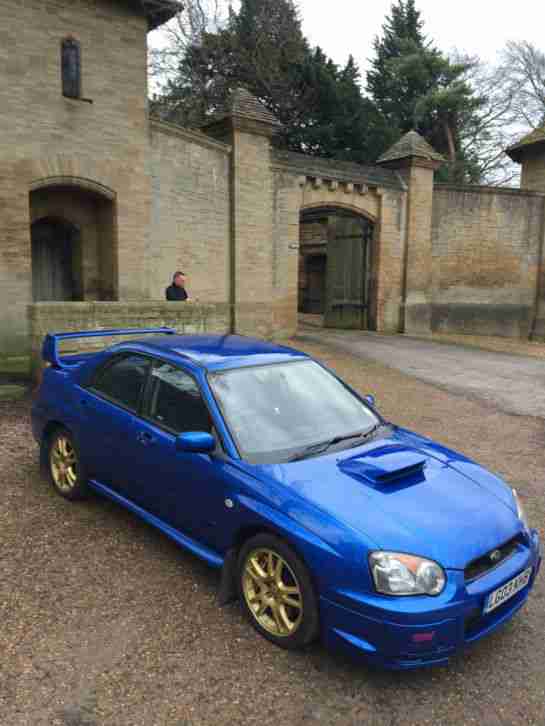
529	152
416	161
388	266
286	209
248	127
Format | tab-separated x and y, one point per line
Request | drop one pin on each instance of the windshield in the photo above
277	411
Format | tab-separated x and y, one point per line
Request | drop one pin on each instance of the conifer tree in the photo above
262	48
414	85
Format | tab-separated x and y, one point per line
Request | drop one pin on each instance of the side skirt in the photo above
205	553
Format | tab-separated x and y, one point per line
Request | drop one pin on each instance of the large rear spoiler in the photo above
50	348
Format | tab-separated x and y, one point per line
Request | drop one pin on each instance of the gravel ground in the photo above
106	622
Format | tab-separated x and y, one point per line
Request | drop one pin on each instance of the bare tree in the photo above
495	126
184	31
523	67
515	93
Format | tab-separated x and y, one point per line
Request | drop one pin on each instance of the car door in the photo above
109	405
184	489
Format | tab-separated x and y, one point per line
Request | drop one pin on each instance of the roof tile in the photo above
537	136
411	145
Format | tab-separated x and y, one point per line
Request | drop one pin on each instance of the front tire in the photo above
63	466
276	592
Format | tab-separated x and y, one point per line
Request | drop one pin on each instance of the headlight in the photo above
399	574
520	509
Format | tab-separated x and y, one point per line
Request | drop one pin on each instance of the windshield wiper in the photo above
325	445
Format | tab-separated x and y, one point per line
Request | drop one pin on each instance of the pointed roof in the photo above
534	138
411	145
242	104
158	11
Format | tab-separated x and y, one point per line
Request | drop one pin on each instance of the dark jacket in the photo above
173	292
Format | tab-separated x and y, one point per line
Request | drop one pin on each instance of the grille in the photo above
490	560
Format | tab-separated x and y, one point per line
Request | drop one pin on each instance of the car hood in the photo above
406	494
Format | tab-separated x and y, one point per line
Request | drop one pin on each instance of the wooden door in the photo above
347	272
52	278
315	291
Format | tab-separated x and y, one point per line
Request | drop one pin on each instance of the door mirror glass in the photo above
196	442
370	399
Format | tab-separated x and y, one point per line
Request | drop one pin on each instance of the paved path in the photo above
515	384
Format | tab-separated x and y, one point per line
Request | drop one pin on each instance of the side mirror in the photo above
196	442
370	399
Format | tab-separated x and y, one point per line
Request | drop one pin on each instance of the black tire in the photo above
62	463
300	623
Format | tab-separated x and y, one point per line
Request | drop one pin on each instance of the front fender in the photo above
326	560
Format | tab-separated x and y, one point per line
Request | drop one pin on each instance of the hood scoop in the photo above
386	464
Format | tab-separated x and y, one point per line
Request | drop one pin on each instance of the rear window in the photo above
122	380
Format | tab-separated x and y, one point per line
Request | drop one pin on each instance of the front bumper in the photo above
410	632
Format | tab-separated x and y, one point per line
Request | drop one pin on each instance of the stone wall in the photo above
486	259
64	317
190	226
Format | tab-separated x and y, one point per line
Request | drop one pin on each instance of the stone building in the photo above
99	204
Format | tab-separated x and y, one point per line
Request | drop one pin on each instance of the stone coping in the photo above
103	307
191	135
478	189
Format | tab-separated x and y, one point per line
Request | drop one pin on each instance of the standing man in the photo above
177	290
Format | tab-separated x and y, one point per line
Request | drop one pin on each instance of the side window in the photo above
71	68
176	401
123	380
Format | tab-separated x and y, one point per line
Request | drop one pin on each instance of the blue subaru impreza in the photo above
325	519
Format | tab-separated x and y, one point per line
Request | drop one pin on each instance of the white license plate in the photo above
503	593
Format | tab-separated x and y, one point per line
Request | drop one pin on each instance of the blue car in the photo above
324	519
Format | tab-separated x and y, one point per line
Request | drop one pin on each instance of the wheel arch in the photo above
48	430
246	532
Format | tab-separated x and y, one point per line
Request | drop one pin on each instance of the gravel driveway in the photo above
105	621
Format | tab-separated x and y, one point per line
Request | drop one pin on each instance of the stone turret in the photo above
530	153
416	161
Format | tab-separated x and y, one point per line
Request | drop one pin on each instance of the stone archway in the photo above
336	266
74	251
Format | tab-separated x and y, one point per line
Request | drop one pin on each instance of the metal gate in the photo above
348	266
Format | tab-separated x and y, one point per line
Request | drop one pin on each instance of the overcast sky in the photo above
479	27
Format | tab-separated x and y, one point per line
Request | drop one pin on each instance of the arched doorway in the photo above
55	243
74	251
336	267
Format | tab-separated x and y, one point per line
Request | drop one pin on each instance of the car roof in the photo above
216	352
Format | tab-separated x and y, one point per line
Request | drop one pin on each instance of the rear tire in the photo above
277	593
63	465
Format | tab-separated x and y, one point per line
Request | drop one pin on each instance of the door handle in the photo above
145	438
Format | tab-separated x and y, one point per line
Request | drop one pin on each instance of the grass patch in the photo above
15	368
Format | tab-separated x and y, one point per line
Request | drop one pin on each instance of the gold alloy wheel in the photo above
272	592
63	464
